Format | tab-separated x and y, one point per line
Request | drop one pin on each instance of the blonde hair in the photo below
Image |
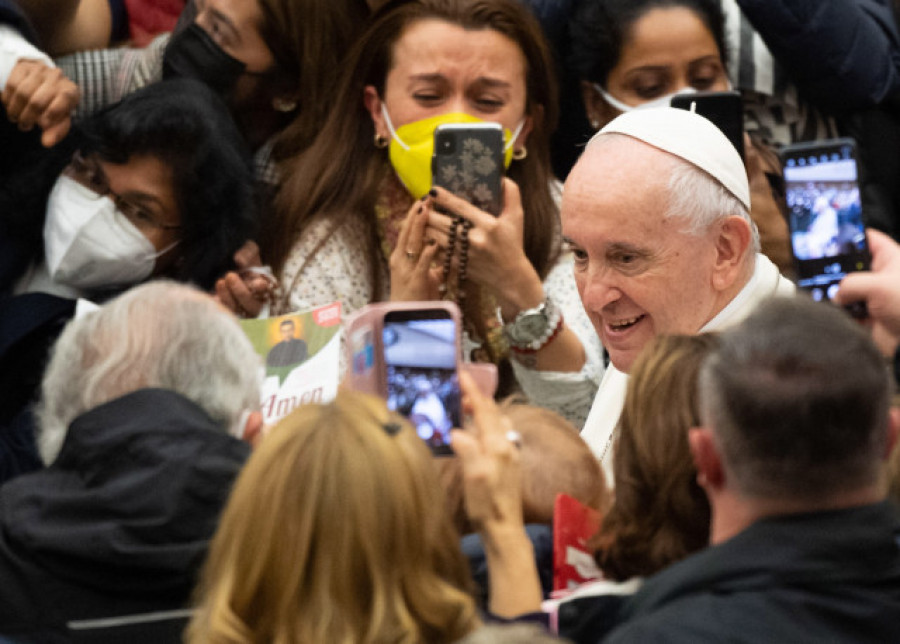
335	532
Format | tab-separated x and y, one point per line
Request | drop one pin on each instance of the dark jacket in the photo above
119	524
818	577
29	325
13	143
843	54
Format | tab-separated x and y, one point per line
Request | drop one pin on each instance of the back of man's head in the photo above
161	335
797	397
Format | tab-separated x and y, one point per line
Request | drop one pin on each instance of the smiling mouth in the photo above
622	325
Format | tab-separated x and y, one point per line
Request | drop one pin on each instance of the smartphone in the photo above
468	161
828	236
421	351
724	109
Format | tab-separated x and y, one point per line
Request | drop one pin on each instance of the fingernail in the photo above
432	192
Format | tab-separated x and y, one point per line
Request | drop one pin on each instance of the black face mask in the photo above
191	53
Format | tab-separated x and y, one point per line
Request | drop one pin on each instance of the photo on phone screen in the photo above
468	161
828	236
724	109
420	355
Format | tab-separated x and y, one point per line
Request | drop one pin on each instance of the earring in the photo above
284	105
595	123
381	141
520	153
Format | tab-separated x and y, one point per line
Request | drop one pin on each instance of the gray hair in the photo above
797	397
701	200
160	334
694	195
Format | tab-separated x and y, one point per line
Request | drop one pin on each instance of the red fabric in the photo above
573	525
148	18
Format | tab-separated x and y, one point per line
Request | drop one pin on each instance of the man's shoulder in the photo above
687	620
829	576
779	614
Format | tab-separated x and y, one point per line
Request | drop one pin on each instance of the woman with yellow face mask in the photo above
357	219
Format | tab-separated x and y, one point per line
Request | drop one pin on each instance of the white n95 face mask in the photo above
88	245
662	101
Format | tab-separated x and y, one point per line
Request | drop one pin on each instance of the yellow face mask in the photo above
412	146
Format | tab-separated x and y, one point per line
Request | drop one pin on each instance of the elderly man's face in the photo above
637	272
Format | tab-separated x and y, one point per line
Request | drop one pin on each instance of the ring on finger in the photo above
514	437
411	256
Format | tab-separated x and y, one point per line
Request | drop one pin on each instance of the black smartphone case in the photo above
468	161
724	109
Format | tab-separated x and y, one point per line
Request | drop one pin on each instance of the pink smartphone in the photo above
408	353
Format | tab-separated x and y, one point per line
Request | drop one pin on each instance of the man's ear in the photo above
710	475
597	110
732	241
253	428
373	106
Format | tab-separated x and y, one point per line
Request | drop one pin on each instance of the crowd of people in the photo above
632	292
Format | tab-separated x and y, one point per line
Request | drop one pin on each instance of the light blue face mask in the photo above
662	101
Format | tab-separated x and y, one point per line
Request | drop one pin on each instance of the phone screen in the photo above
420	355
828	236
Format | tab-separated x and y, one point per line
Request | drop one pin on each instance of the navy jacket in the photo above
13	143
843	54
29	325
120	523
817	577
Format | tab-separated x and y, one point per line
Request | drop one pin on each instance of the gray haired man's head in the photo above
160	334
797	398
656	214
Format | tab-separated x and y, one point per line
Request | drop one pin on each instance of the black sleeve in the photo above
11	14
844	54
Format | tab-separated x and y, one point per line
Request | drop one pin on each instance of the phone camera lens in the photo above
445	143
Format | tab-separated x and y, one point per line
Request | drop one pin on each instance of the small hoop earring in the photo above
381	142
520	153
283	105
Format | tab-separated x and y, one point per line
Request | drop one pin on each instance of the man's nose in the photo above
600	290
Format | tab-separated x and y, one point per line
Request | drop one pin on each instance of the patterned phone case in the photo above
472	166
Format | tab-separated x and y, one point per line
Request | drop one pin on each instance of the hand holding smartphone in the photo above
828	237
408	353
